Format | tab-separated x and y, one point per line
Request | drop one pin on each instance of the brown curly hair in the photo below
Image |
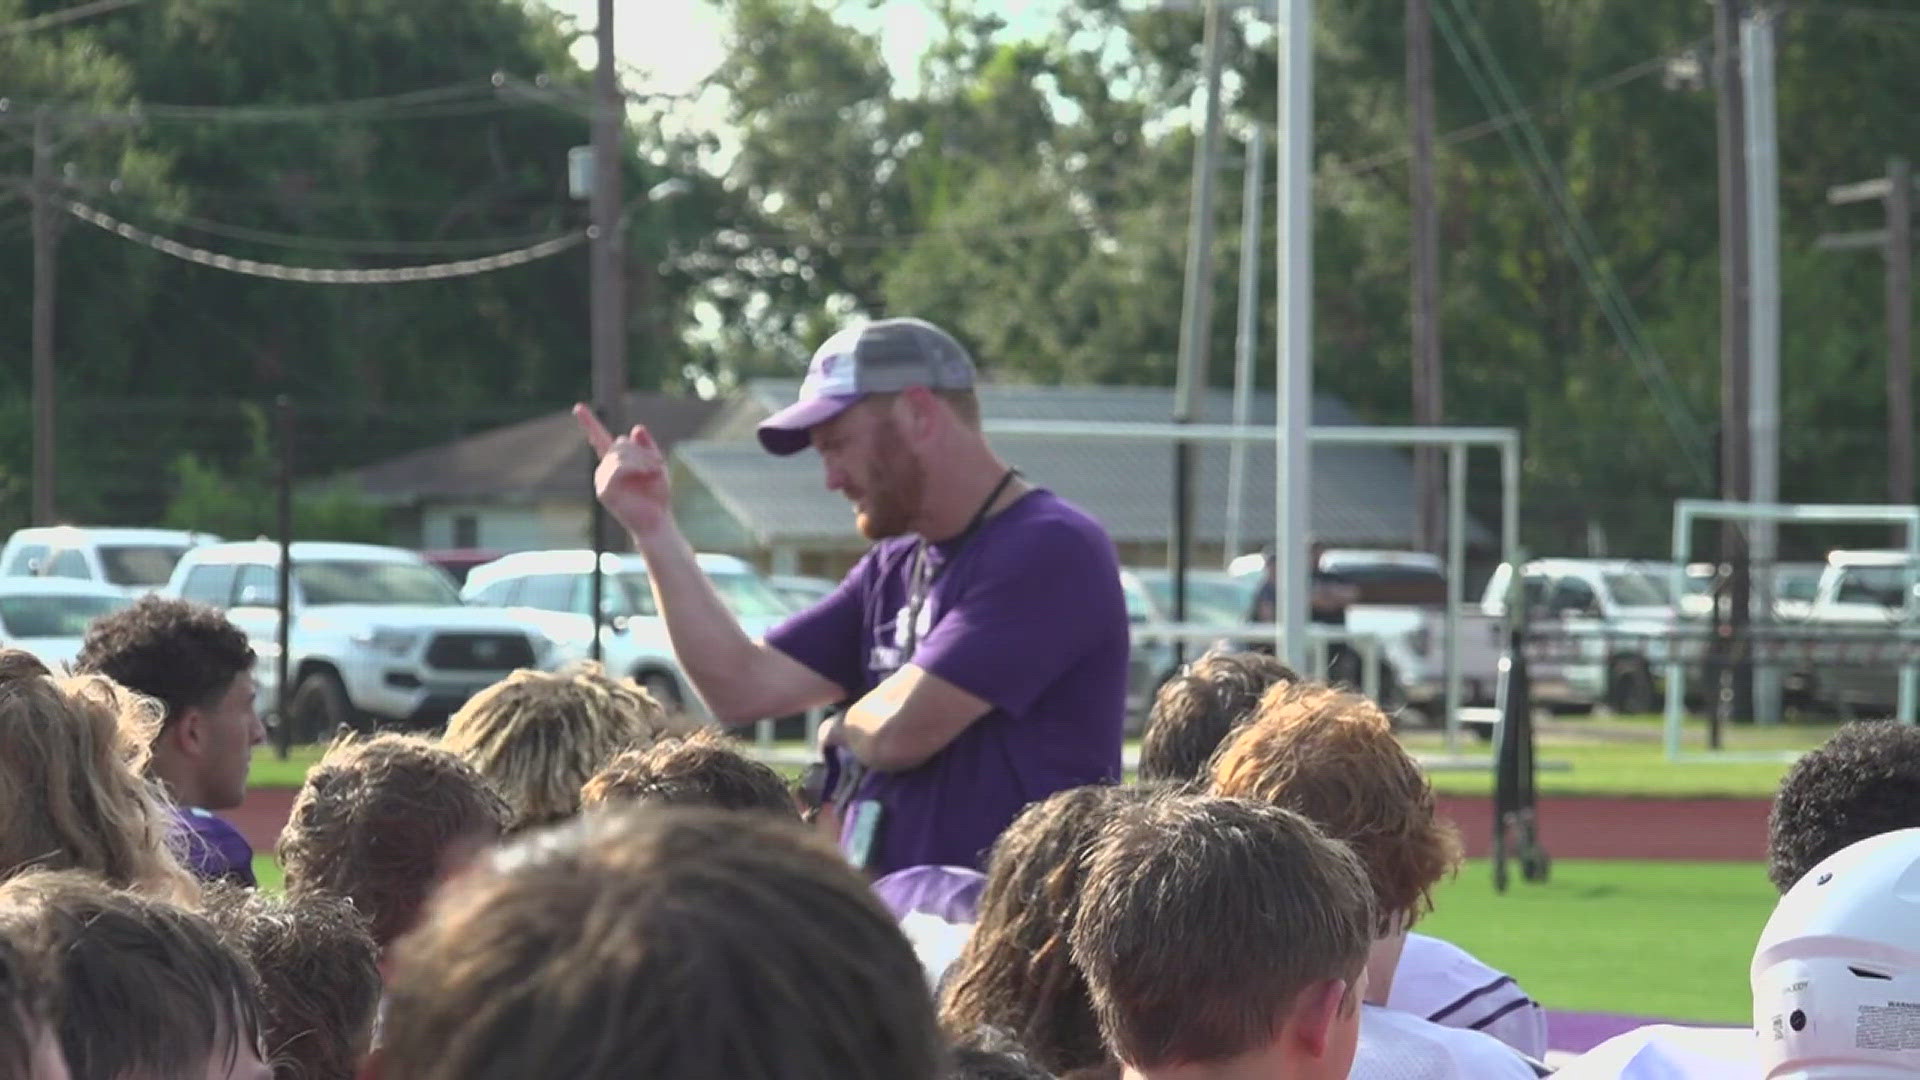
1016	971
1331	756
538	736
374	820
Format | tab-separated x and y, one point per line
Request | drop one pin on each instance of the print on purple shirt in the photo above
1029	617
211	848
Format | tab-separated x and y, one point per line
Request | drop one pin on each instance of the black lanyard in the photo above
923	575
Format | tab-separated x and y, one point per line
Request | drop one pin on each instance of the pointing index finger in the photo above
596	432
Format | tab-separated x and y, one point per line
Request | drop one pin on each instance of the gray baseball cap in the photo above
881	357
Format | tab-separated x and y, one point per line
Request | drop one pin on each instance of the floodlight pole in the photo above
1293	382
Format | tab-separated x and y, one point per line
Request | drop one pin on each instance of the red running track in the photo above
1702	830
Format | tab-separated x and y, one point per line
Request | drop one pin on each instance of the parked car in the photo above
1608	625
633	638
48	617
1212	598
378	635
459	562
139	560
1792	586
801	592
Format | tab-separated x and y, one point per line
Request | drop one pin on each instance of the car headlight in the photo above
388	640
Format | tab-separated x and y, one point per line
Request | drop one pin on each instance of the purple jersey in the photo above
949	893
1026	615
210	847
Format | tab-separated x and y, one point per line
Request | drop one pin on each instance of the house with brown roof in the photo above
520	487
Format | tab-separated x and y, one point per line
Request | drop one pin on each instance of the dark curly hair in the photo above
183	653
992	1053
1863	782
319	972
706	768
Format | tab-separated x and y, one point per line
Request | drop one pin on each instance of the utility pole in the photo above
609	279
1195	315
1763	383
1246	337
45	236
1429	526
1899	332
1734	357
1895	241
608	253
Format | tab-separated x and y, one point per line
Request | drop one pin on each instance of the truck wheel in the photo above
1630	689
320	707
663	688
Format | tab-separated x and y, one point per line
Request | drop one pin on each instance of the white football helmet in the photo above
1836	976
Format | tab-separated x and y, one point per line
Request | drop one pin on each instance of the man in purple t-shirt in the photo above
200	667
981	645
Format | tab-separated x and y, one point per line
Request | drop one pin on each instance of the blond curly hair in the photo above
539	736
72	754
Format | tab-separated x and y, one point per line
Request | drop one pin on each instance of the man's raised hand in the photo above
631	479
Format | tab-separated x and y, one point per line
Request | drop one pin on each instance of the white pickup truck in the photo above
1400	599
378	634
1855	630
1601	630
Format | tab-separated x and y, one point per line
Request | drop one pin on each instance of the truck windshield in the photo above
362	582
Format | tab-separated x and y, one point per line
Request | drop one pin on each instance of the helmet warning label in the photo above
1893	1026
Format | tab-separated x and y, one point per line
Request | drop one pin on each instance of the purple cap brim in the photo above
788	431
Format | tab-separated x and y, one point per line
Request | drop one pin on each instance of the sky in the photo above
680	41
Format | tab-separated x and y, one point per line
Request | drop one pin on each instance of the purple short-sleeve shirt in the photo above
1027	615
211	848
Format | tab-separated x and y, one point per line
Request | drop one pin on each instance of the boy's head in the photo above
319	977
1213	930
1332	757
199	666
29	1042
538	736
145	988
70	796
1197	708
382	822
1016	970
650	942
705	768
1863	782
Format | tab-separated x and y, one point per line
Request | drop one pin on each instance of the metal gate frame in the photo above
1291	596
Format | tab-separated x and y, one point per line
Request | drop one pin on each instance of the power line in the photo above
1551	187
318	275
65	15
413	104
1480	129
352	246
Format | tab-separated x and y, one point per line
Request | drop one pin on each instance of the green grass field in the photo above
1669	940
